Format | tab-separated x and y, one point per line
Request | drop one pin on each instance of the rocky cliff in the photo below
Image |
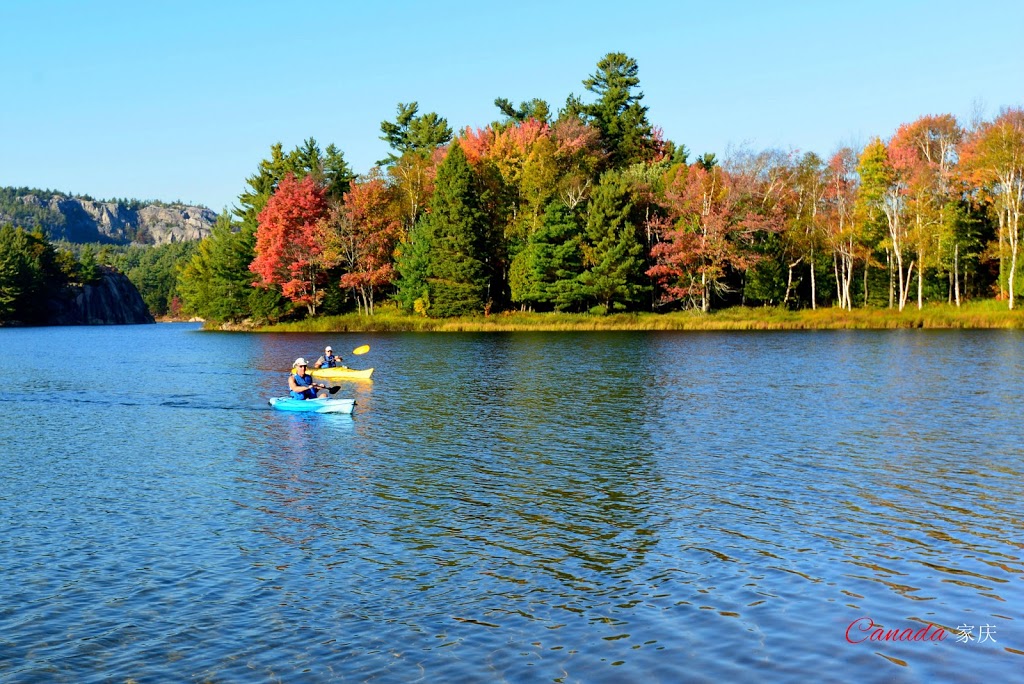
78	219
112	301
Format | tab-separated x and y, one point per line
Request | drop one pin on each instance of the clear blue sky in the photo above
181	100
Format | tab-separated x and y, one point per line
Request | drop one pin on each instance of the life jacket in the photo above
329	361
303	381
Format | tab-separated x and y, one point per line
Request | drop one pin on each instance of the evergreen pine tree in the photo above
88	266
412	260
195	281
548	269
261	187
216	283
337	173
15	273
618	113
446	252
29	274
328	167
414	132
612	253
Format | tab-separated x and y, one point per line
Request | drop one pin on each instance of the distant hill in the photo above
121	222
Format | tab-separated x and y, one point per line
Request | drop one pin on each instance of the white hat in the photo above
299	362
328	348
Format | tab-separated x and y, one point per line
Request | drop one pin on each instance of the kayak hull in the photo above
321	405
341	373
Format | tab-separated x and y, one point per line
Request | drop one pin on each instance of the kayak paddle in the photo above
332	390
359	351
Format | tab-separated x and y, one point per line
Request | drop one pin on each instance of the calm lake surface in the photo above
598	507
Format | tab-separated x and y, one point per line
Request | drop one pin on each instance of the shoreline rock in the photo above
112	301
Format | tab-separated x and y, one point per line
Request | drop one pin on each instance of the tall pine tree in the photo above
328	168
444	263
612	252
261	187
216	284
29	275
414	132
627	134
547	271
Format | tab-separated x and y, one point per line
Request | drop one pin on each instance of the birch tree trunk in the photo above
905	287
1002	253
1013	261
704	294
814	297
789	281
956	273
839	285
1013	187
892	277
847	270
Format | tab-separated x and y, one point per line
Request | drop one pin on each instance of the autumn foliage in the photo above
594	209
993	158
370	230
288	241
708	232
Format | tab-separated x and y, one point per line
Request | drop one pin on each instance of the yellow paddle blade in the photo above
361	350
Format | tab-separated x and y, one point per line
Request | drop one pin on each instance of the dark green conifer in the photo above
612	252
447	250
413	132
618	114
547	271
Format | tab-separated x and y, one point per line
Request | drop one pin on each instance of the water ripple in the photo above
562	507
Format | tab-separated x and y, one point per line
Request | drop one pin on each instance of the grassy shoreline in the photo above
974	315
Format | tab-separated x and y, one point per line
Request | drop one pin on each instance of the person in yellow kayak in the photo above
329	359
300	383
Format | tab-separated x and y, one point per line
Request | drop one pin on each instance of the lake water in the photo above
559	507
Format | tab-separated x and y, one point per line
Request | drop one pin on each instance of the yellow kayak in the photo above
341	373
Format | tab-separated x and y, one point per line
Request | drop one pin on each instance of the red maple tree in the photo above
691	259
288	243
714	219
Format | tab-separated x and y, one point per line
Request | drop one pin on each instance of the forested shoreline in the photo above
590	210
981	314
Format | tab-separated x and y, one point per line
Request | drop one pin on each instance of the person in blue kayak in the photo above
329	359
300	383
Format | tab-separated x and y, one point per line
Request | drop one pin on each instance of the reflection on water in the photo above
600	507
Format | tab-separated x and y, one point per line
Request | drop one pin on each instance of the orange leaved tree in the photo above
370	228
993	160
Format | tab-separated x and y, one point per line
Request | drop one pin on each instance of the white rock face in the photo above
153	224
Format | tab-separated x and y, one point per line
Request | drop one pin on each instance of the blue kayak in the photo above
321	405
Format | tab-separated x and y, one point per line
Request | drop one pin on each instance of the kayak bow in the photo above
341	373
